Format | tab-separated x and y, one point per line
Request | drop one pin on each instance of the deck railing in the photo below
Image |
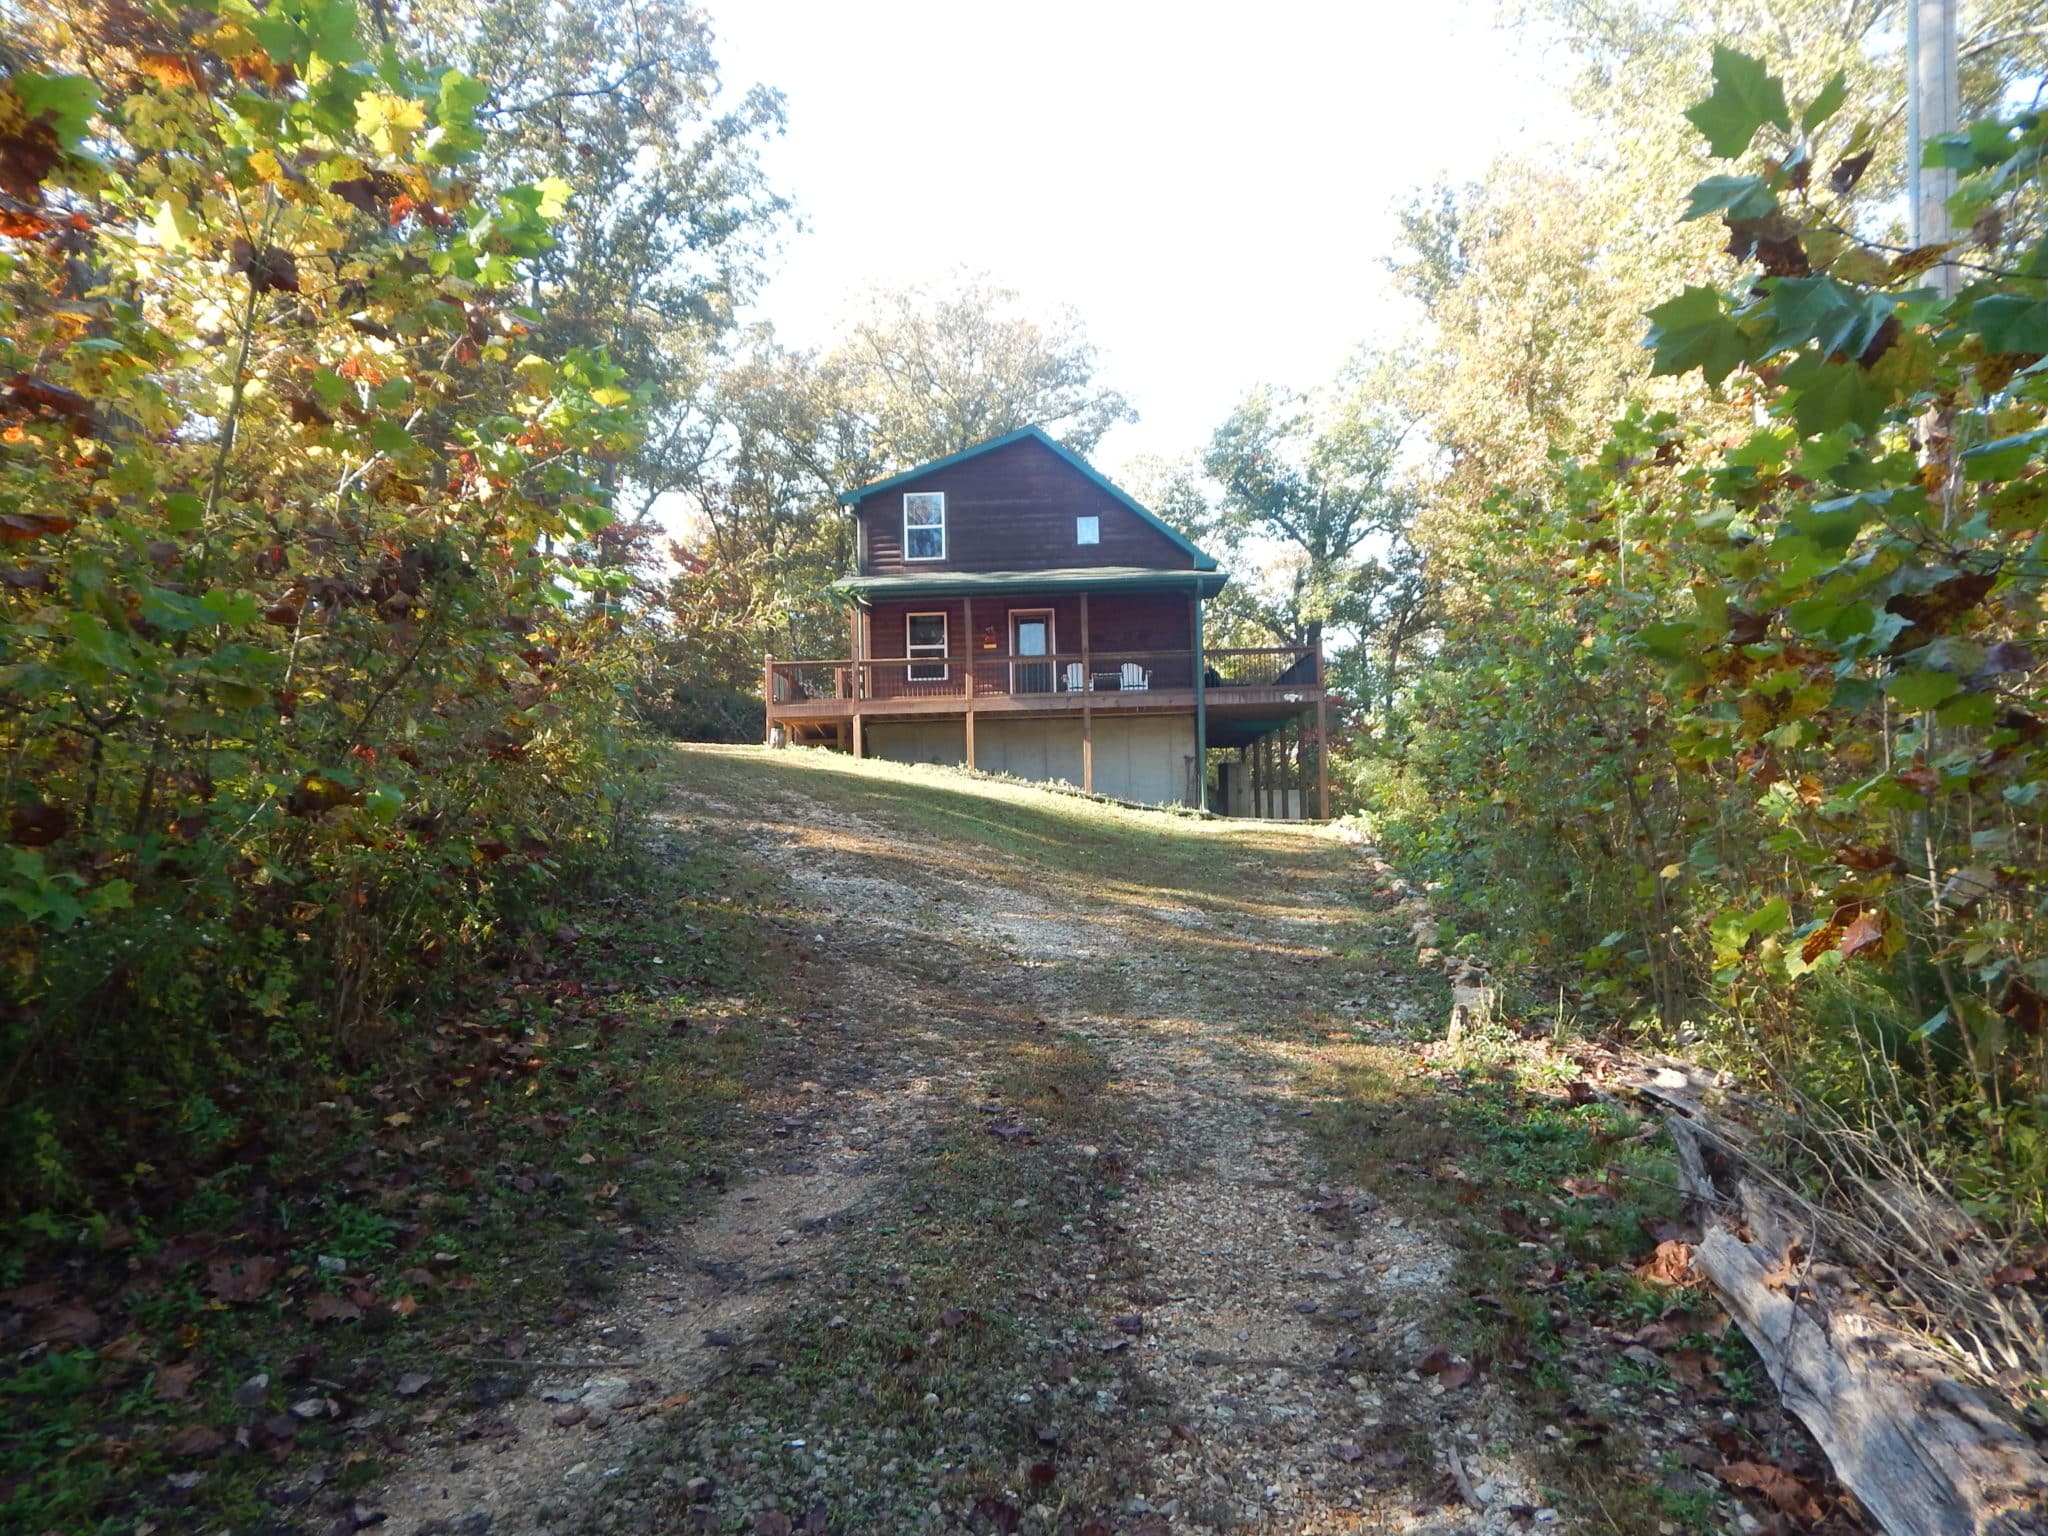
992	674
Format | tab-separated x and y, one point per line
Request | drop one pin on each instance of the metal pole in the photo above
1932	109
1201	711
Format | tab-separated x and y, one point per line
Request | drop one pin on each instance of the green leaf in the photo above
1746	96
1670	641
1694	331
1976	710
1921	689
2003	458
390	437
461	95
183	512
2010	322
69	101
1931	1026
1821	310
1740	197
1823	396
1827	103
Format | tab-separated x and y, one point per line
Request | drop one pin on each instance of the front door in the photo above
1030	635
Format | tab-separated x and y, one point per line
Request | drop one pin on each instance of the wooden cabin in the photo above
1012	610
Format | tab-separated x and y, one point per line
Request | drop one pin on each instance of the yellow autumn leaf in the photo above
389	121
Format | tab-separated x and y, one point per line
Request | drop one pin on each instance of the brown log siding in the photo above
1117	623
1013	509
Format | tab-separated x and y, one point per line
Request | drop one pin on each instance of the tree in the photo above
673	218
1318	492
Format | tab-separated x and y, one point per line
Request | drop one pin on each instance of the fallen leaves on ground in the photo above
1774	1483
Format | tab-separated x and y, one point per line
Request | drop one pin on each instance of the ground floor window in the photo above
925	635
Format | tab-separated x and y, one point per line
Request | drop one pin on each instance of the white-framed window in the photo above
1087	530
924	634
924	525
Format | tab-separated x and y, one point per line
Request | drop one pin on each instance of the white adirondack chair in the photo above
1136	679
1075	681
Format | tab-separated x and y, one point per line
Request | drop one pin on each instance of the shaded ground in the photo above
1110	1189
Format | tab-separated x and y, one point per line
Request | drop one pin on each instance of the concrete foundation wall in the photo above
1143	757
919	741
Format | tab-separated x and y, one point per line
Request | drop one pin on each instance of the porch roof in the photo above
1091	578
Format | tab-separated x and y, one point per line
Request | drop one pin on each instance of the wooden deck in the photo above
1243	694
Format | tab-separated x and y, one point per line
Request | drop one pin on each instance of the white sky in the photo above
1211	187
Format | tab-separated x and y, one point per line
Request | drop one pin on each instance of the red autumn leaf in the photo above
270	269
330	1308
1786	1270
174	1382
1002	1517
21	527
1775	1484
37	824
65	1325
27	154
1447	1368
1861	934
28	395
1944	601
241	1281
197	1440
2024	1008
1688	1367
2012	1274
1671	1264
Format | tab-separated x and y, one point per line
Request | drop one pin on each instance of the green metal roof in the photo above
1087	578
1202	561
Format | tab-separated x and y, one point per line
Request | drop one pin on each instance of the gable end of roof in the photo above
1203	562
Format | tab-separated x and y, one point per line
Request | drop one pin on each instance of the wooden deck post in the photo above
768	699
1087	713
1322	739
860	678
967	626
1258	751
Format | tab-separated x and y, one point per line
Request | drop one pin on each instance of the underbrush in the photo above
1573	1278
253	1331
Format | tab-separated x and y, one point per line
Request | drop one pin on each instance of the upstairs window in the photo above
1087	530
924	525
925	635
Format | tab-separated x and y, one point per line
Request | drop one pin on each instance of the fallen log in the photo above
1920	1449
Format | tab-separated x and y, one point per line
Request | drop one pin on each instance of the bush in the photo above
309	674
